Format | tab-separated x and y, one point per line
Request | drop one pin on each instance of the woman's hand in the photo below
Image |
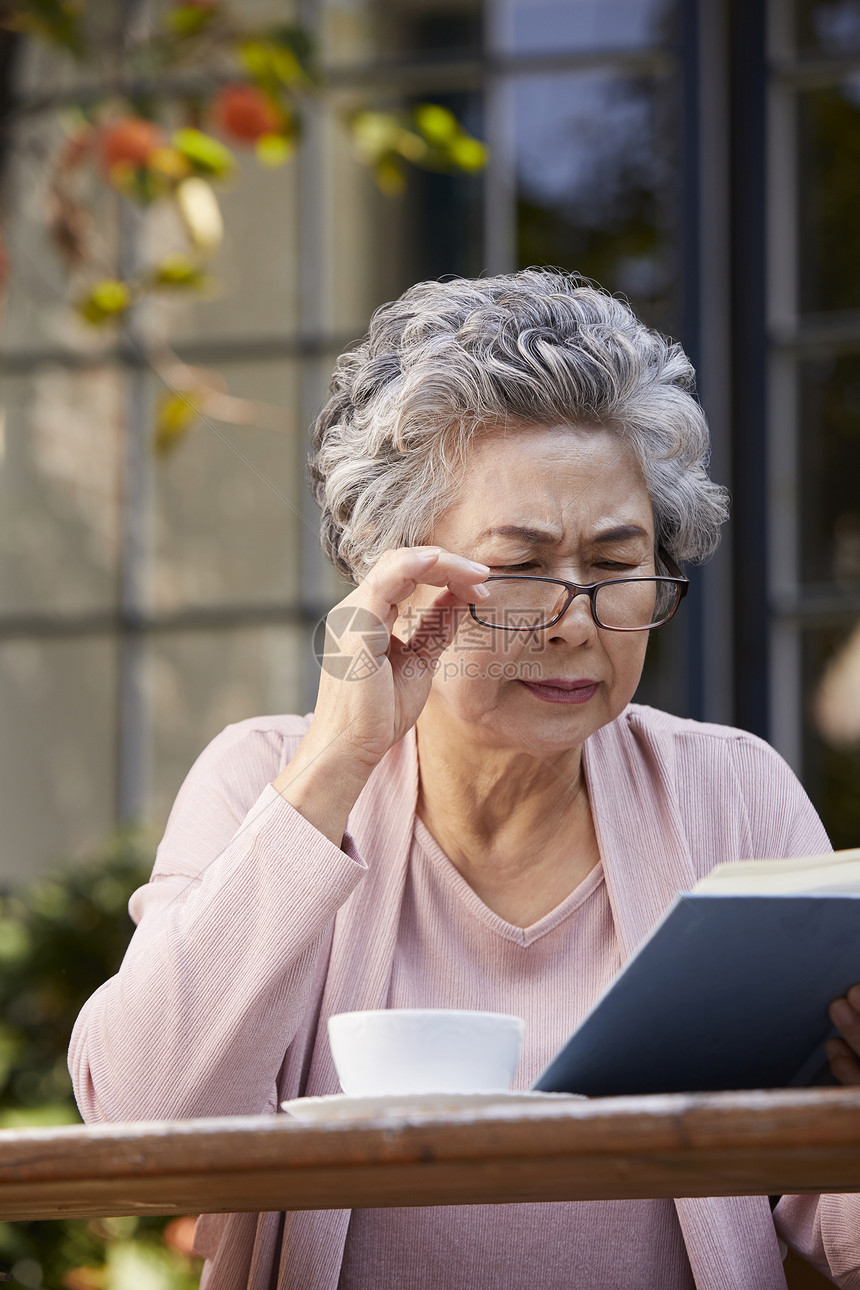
373	685
844	1054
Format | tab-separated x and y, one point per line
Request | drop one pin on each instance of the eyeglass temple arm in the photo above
672	569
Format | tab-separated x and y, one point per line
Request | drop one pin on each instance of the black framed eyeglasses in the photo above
526	602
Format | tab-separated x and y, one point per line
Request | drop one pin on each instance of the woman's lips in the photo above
557	690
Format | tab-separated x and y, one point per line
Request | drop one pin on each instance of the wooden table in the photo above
678	1145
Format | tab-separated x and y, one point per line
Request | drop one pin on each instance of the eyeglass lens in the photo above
521	603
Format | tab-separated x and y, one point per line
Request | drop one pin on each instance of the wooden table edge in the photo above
672	1145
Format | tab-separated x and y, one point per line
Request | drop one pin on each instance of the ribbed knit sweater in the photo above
255	929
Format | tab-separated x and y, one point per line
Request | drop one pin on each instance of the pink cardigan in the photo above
254	929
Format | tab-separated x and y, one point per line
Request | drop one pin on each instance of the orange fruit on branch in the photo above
244	112
131	141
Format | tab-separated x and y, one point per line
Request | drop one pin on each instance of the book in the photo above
730	990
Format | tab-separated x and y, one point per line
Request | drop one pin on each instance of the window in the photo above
814	402
697	157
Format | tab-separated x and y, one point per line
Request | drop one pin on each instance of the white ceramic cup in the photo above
424	1050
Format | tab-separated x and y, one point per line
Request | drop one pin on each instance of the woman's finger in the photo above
844	1062
435	627
846	1018
844	1053
398	573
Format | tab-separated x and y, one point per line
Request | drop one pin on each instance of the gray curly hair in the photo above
448	360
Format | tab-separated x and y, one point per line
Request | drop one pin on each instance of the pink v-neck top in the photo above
454	952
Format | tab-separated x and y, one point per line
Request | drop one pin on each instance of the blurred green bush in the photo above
59	940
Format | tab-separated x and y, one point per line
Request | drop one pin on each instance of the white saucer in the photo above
337	1106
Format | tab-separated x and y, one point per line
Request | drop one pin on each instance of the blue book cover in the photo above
728	992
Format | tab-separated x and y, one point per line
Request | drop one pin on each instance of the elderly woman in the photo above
476	815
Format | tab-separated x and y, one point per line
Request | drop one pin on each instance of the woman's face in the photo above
564	502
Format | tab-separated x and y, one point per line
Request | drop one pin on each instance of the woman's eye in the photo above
513	568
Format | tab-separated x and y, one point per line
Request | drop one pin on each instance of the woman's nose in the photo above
577	621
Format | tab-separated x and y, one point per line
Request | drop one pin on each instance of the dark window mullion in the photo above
749	362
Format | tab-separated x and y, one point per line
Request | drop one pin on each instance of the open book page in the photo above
837	873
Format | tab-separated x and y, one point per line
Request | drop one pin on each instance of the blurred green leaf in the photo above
186	20
104	302
274	149
39	1117
375	134
283	58
271	66
180	271
452	146
14	942
437	143
176	414
207	155
411	146
438	125
468	153
389	176
299	41
168	162
254	57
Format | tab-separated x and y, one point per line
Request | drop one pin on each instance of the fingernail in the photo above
481	591
478	567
